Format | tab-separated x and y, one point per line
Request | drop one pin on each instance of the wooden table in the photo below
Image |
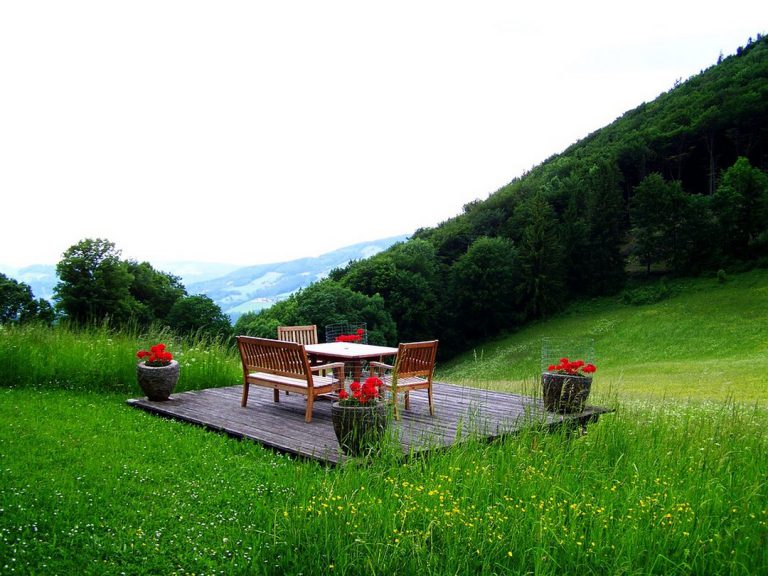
349	352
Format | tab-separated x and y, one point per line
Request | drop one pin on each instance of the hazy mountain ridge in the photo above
235	289
257	287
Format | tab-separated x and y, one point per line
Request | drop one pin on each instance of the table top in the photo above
349	350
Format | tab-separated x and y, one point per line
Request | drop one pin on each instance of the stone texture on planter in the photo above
157	382
565	393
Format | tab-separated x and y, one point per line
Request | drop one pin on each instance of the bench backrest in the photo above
301	334
274	357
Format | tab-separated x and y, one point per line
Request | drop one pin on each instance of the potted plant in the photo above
360	417
567	385
157	372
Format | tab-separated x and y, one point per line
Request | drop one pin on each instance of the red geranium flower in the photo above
362	394
575	368
156	356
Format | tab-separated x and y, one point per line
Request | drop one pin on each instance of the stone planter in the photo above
157	382
565	393
359	429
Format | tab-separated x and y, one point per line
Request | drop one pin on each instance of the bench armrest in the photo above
331	366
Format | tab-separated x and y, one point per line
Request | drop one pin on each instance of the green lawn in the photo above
672	483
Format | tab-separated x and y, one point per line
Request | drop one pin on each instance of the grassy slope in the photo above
708	341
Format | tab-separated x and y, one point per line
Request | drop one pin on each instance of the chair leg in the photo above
244	401
276	395
431	406
407	399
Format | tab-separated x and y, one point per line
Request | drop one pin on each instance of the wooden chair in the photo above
412	370
300	334
282	365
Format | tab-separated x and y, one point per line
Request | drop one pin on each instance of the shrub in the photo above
648	294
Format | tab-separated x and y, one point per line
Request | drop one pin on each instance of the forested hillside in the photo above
675	186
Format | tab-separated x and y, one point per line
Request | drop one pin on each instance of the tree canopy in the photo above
95	284
18	305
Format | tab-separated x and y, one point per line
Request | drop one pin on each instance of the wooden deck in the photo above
459	413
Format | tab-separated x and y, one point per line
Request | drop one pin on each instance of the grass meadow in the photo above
674	482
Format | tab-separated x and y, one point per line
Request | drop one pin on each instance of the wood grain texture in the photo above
460	413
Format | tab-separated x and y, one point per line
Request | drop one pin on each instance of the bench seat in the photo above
289	383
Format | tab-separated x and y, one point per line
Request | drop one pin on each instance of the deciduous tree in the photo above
18	304
94	284
191	314
484	283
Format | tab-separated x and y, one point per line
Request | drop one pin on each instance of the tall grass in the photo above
91	486
101	359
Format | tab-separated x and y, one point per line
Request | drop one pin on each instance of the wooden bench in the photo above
282	365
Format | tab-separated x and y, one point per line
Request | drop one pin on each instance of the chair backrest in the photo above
274	357
300	334
416	359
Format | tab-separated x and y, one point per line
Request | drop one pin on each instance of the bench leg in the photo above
310	403
431	406
276	395
244	401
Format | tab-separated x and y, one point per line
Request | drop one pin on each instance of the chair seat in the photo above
402	382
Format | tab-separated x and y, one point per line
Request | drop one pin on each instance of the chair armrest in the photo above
381	365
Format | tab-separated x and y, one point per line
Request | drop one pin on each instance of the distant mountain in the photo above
42	277
235	289
253	288
192	271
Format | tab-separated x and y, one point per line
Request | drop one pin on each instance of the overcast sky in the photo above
250	132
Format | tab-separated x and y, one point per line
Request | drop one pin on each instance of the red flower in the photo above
156	356
367	393
575	368
351	337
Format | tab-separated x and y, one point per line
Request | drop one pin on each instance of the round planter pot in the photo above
359	429
157	382
564	393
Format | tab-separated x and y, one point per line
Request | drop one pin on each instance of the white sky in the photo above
250	132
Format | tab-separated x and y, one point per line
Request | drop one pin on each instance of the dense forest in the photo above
676	186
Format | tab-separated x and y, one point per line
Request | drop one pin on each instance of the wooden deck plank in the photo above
458	410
